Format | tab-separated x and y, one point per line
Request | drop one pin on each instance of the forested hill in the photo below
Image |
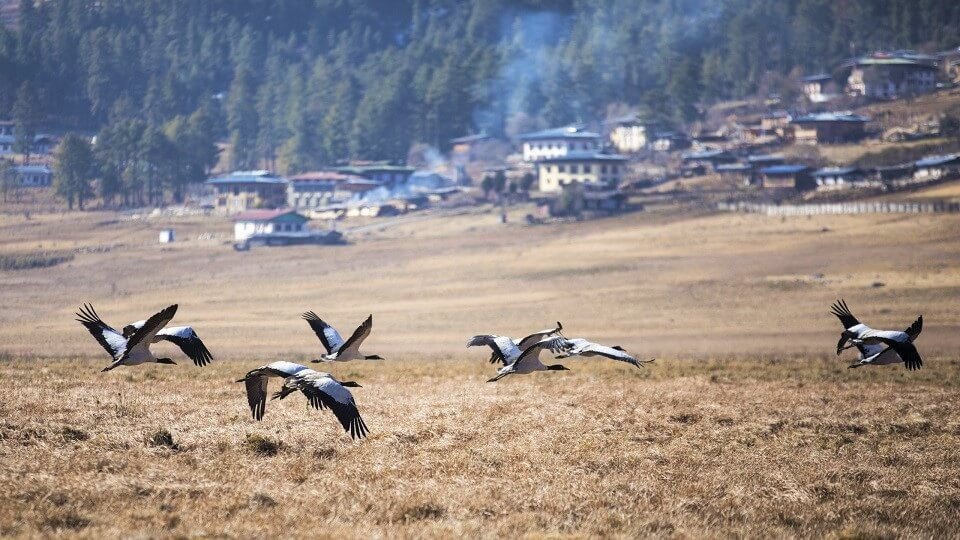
311	81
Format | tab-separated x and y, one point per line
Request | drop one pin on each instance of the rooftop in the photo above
733	167
837	171
470	138
935	161
325	176
706	155
819	77
760	158
265	215
895	58
585	156
247	177
364	168
567	132
27	169
829	117
784	169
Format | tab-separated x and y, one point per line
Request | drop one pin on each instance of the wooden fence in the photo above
842	208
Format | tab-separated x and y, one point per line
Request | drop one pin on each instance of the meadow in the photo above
746	425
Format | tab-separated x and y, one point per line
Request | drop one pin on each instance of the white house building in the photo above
629	134
558	142
587	168
889	75
33	175
283	223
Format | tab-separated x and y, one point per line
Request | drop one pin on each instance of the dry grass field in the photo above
747	424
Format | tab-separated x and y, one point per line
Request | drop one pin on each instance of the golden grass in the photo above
723	447
745	426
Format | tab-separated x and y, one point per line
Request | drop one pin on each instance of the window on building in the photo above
603	169
571	146
573	169
586	169
560	168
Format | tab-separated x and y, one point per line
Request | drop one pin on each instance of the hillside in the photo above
298	84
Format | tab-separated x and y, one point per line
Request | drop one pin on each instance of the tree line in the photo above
299	84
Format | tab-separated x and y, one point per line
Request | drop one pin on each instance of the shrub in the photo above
264	446
28	261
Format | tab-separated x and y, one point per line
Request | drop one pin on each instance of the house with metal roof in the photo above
588	168
268	223
33	175
796	177
629	133
247	190
831	127
887	75
387	174
318	189
839	177
557	142
937	168
818	88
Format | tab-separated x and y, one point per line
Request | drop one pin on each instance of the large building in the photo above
887	75
588	168
384	173
247	190
828	127
629	134
558	142
316	190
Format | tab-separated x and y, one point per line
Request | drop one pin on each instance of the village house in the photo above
668	141
42	144
787	177
247	190
937	168
891	173
839	177
33	175
887	75
817	88
697	162
315	190
558	142
577	199
822	128
269	223
735	171
759	161
464	150
629	134
384	173
588	168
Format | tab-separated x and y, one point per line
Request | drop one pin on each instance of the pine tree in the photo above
73	169
26	119
242	121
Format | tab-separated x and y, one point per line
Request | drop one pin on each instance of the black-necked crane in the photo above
877	347
115	342
337	349
582	347
529	359
321	390
504	350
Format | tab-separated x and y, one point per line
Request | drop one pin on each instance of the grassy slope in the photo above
768	434
739	447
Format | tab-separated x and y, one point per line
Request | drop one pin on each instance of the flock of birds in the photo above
131	347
